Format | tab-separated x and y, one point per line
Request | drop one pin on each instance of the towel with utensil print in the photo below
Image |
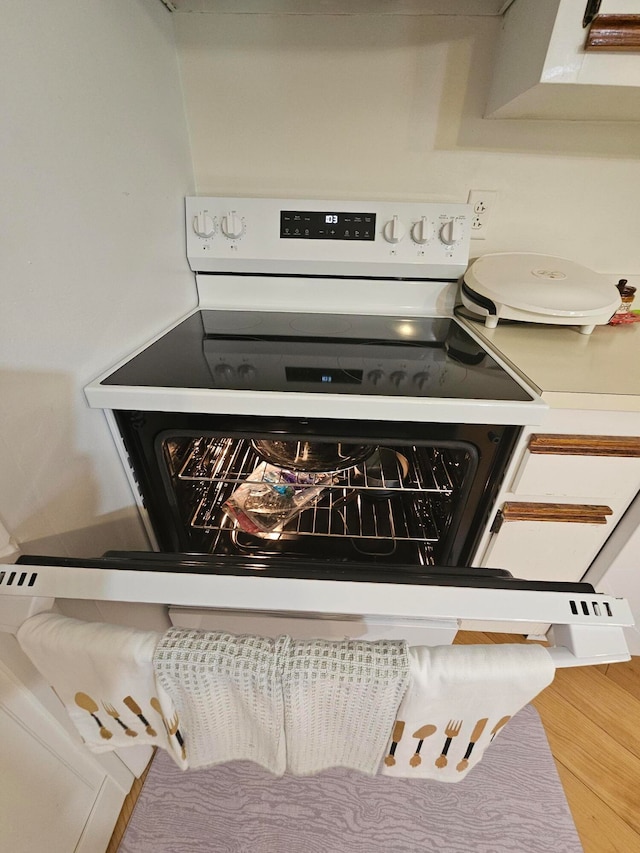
458	700
104	676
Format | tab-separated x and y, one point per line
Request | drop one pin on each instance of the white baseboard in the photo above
102	819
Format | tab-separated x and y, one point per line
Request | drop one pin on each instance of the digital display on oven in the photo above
329	375
326	225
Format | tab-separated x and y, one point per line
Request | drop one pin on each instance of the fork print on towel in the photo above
452	730
171	726
113	712
89	705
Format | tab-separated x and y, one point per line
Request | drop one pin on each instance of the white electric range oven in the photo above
320	443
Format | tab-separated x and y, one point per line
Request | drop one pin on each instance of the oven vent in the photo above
596	608
9	578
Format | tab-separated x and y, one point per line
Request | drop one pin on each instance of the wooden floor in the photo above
592	719
591	716
126	812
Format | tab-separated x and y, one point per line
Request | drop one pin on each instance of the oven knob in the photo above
374	376
223	371
203	225
246	371
451	232
398	377
421	379
232	225
422	231
393	231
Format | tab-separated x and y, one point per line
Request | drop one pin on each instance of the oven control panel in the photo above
425	240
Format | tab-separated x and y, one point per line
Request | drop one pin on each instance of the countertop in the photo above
570	370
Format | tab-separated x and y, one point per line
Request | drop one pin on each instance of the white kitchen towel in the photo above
457	701
340	701
103	674
228	694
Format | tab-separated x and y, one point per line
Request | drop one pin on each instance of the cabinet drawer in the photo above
546	550
600	468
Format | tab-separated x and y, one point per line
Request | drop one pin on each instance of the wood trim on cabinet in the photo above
585	445
614	32
571	513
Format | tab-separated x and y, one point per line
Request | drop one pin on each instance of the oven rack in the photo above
231	460
343	514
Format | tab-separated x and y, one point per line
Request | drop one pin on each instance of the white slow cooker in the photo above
538	289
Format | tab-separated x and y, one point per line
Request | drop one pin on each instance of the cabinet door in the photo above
49	786
542	69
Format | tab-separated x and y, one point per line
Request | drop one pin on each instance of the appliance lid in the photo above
541	284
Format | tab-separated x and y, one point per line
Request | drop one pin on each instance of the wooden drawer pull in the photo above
571	513
586	445
614	32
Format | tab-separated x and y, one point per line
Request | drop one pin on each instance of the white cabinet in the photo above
565	497
542	70
562	498
615	570
43	784
612	479
547	550
54	794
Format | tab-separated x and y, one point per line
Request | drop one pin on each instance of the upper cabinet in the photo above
544	71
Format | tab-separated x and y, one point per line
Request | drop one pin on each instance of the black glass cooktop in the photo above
321	353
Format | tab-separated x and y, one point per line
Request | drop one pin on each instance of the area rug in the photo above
511	802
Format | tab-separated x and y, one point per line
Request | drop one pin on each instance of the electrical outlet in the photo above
482	203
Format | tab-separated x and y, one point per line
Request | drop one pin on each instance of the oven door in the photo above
421	607
363	493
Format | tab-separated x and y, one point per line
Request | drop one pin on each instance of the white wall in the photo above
390	106
95	164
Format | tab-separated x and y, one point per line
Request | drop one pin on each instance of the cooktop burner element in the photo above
321	353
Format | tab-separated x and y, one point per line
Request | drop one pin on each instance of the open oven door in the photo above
587	627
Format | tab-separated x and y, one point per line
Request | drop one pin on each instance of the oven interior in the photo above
416	494
400	504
